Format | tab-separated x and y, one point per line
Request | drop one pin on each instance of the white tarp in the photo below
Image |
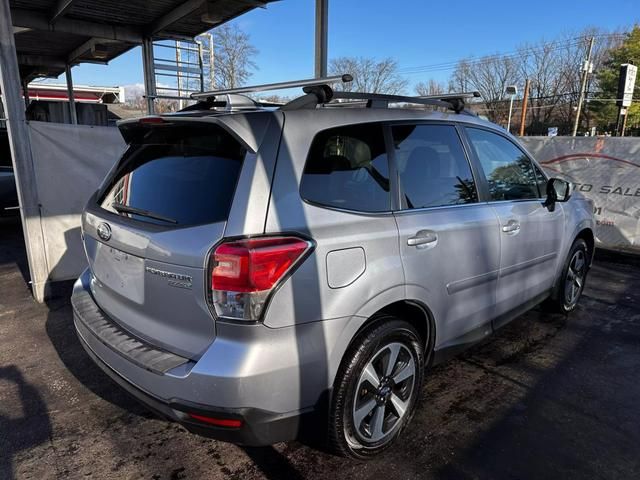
70	162
604	169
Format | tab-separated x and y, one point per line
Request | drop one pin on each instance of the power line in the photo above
520	53
472	62
453	64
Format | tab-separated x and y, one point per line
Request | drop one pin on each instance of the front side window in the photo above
432	166
508	170
348	168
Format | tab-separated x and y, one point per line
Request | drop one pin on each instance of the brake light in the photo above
246	271
151	120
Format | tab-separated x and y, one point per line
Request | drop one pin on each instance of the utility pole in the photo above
586	70
525	100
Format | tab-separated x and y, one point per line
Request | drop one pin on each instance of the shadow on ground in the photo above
24	420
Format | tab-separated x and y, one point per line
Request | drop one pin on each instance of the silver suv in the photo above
263	274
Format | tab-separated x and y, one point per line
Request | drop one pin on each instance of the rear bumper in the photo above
256	382
258	427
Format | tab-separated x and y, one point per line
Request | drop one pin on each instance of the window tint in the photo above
348	168
508	170
433	168
181	175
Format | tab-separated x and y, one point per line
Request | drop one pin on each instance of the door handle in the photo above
423	239
512	226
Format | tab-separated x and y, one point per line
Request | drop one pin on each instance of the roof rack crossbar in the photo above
274	86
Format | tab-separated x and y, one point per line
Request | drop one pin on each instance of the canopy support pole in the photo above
19	141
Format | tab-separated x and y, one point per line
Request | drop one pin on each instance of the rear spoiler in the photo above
249	130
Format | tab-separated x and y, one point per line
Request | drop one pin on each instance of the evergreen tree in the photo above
608	77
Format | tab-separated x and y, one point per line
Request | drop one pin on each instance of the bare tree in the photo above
554	69
544	65
369	75
233	54
432	87
490	76
459	81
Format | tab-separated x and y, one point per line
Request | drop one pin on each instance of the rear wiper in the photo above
120	208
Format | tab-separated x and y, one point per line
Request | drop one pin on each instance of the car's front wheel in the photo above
571	284
376	389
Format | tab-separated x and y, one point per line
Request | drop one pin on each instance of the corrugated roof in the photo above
51	33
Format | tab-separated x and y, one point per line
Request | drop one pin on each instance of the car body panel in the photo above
278	370
457	274
528	255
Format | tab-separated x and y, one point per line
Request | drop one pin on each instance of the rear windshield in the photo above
176	175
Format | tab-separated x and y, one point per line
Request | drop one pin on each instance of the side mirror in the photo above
558	190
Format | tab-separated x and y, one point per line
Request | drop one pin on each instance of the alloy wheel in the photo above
574	281
384	393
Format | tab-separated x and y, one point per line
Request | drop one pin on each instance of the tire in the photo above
365	419
573	277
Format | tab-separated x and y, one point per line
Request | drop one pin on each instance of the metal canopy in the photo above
50	34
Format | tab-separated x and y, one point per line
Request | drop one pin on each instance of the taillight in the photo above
246	271
218	422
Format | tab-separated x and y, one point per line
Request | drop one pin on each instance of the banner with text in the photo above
604	169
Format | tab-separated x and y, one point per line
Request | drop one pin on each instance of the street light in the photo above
513	91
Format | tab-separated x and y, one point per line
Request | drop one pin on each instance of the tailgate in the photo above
149	230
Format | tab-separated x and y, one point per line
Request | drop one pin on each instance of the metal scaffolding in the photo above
183	68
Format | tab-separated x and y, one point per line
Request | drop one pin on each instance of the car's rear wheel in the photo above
574	276
376	389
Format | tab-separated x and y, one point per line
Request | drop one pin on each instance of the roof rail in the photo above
311	82
445	96
452	101
457	100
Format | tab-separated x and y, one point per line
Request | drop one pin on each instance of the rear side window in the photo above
433	168
177	175
348	168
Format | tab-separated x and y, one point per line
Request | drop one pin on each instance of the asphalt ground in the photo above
547	397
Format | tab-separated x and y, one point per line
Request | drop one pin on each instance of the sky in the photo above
414	32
